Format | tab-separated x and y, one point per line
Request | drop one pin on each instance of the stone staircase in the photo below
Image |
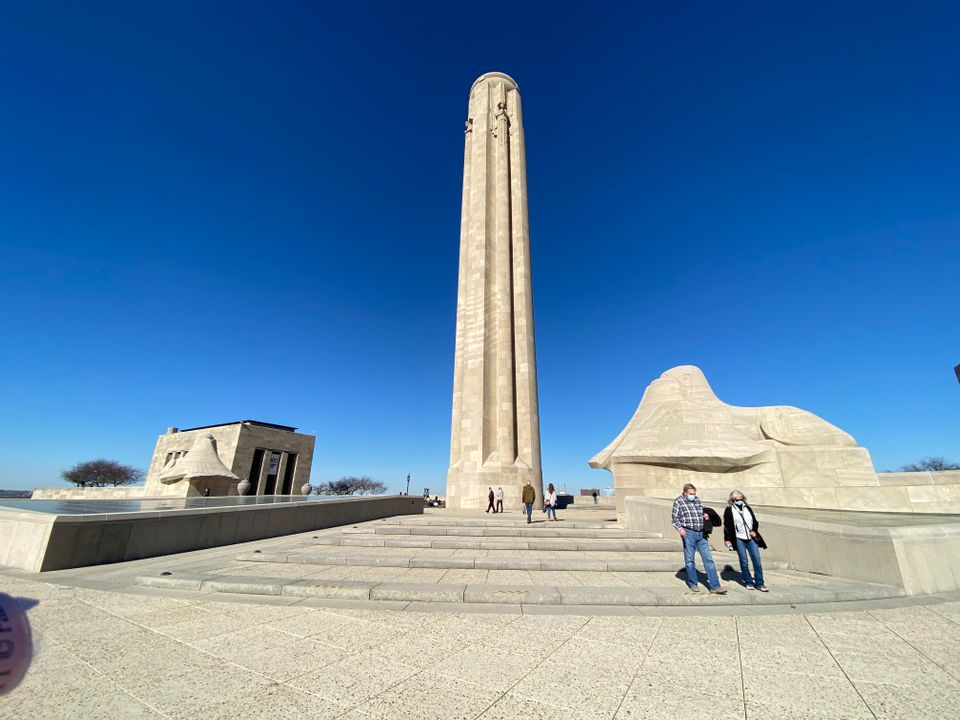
472	560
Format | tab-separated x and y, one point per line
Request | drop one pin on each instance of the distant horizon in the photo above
402	490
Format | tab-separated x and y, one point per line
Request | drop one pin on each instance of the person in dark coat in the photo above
490	506
711	521
741	533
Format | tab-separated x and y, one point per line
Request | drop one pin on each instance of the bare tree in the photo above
100	473
930	464
368	486
351	486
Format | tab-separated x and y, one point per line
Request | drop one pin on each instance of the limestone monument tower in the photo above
495	437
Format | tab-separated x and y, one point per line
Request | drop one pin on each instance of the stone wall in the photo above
128	492
926	492
920	492
25	538
37	541
602	501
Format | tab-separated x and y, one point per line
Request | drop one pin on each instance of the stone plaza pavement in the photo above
108	648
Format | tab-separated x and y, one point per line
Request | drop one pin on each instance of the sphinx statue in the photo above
682	432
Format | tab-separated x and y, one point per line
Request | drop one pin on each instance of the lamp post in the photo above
408	483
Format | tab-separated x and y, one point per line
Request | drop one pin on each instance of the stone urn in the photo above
305	489
243	488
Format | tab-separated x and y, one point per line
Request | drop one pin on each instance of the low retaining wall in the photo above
902	492
38	542
922	559
129	492
602	500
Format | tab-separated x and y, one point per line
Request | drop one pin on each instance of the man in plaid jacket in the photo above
688	516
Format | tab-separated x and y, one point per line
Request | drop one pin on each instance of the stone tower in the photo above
495	437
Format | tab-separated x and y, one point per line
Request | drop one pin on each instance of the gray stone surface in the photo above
417	592
447	563
220	655
248	586
607	596
348	589
506	564
642	577
510	531
177	582
513	594
386	561
534	588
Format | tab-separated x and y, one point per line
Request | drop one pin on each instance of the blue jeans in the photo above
694	542
551	510
529	508
750	546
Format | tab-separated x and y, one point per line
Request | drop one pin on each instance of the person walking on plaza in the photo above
499	499
550	503
594	497
490	505
740	533
527	497
688	516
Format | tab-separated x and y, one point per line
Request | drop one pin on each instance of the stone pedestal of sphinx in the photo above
777	455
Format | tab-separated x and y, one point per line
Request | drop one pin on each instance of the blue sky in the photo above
212	212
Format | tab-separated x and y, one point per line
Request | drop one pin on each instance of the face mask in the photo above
738	503
691	498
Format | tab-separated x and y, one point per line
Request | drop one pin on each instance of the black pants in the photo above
490	506
499	506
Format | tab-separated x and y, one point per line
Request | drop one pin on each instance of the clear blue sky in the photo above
211	212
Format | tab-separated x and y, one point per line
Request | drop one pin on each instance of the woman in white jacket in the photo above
550	502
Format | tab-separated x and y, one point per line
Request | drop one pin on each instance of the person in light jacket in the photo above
741	533
550	502
499	499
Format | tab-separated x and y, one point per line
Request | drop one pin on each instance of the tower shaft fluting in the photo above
495	435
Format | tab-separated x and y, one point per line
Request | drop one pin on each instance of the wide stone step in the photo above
569	545
515	521
838	591
502	532
455	563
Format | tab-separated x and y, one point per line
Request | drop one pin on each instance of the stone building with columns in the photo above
269	459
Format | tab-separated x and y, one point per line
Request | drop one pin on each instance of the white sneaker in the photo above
751	587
